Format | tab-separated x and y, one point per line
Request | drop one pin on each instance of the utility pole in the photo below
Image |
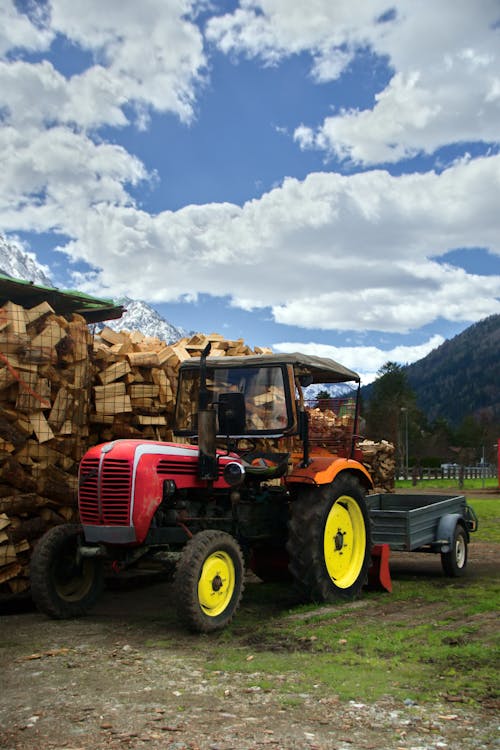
404	410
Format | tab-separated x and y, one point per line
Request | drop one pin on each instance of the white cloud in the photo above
18	31
329	252
273	29
365	360
151	52
50	179
444	58
147	55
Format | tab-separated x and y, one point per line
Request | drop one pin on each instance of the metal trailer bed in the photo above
424	523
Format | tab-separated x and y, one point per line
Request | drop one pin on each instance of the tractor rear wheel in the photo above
329	541
209	581
63	584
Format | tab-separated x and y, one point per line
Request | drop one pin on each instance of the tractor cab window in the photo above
265	395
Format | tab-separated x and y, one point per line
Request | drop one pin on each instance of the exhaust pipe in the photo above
207	426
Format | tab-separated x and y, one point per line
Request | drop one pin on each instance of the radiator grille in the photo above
87	490
115	483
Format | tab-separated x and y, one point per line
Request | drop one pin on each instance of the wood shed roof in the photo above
64	302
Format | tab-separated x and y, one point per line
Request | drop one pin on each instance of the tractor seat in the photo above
265	465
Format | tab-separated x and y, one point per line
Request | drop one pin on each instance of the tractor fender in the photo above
446	530
323	470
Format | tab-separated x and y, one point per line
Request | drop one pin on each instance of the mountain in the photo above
16	262
462	376
139	316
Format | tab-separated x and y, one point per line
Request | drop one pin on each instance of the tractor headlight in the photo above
233	474
169	488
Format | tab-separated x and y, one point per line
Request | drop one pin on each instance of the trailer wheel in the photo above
63	584
209	581
329	541
454	562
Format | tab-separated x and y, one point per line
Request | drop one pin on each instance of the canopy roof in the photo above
63	302
321	369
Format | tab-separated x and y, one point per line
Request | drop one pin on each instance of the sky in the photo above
320	176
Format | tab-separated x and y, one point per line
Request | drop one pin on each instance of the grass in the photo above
452	485
428	641
488	512
433	638
363	658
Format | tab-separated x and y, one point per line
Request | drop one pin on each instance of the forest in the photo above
445	408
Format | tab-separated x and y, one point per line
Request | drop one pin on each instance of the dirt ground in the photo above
126	676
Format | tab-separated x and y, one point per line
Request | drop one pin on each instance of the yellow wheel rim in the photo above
216	584
76	584
344	541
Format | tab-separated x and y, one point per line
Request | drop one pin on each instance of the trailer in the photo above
424	523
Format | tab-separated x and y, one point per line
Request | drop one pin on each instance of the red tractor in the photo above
246	485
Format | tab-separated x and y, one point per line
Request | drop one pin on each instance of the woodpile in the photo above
45	379
134	394
380	460
331	429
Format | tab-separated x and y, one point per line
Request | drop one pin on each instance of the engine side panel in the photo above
121	485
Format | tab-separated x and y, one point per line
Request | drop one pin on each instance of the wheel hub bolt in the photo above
339	540
217	583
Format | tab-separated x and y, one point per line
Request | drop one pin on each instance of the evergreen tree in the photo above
392	414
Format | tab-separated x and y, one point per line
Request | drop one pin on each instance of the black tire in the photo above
327	567
63	584
209	581
454	562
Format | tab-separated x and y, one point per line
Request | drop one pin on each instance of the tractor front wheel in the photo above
209	581
63	584
329	541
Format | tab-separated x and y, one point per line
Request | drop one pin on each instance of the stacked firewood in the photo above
380	460
45	379
331	429
134	393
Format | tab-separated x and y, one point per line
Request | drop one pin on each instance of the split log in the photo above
18	504
379	458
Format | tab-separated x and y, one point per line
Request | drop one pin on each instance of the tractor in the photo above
248	485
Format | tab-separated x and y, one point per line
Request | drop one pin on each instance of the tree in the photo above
321	397
392	413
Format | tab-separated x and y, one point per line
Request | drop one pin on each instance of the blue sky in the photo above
320	176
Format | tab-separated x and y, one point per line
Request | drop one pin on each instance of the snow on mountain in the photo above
334	390
15	261
140	316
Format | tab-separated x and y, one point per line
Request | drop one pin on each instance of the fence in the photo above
451	472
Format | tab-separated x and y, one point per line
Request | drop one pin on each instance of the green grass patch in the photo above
432	639
448	484
488	512
361	661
